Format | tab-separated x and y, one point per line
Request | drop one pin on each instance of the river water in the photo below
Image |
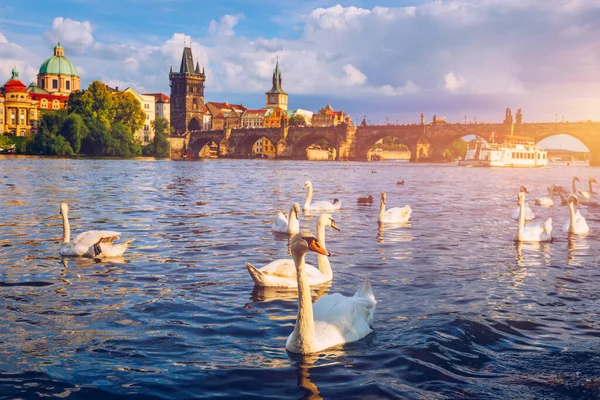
462	313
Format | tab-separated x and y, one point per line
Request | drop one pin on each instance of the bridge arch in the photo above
367	137
308	136
203	147
245	142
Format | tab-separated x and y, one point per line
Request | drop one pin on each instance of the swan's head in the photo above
307	184
574	199
383	196
335	201
523	189
327	220
521	197
592	180
297	210
64	208
304	242
576	179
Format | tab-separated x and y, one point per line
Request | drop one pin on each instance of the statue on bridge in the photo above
422	119
508	119
519	117
364	121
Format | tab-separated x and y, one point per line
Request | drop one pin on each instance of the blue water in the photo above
462	313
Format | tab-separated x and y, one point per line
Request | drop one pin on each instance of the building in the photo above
275	118
187	95
225	115
276	97
307	115
206	120
19	113
263	148
145	135
253	118
162	105
58	75
45	100
328	117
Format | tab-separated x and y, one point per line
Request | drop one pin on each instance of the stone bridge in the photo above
354	142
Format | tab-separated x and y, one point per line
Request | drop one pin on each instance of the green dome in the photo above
58	65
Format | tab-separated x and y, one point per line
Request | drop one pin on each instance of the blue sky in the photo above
384	59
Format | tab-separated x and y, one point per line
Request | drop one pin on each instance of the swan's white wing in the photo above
529	215
90	238
281	223
285	268
397	214
340	319
324	205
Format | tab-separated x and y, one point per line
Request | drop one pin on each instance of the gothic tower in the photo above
187	95
276	97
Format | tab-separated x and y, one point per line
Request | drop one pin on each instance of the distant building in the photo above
276	97
145	135
253	118
18	111
275	118
328	117
264	148
225	115
307	115
187	95
162	105
206	120
58	75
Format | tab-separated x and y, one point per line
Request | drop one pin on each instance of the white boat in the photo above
505	151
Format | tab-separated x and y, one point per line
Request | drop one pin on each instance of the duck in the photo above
532	232
547	201
393	215
400	183
365	200
91	244
577	224
323	205
282	273
333	319
289	224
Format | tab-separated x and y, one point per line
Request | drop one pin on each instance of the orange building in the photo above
19	116
328	117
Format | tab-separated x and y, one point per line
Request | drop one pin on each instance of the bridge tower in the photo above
187	95
276	97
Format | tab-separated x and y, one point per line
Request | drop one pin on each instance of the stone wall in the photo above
178	146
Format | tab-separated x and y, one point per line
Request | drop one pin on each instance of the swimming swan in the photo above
323	205
282	272
576	224
393	215
529	215
547	201
332	320
288	224
533	232
587	195
95	244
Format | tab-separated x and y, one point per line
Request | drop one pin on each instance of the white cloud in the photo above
225	26
453	82
353	75
73	34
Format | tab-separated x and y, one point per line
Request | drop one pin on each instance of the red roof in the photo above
15	85
39	96
257	112
227	105
159	97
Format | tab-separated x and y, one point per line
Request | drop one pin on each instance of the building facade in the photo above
276	97
225	115
328	117
145	135
58	75
19	112
264	148
206	120
187	95
275	118
162	106
253	118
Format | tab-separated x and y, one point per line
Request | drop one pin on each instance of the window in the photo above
54	83
22	117
12	117
43	83
146	128
146	138
68	83
147	116
146	106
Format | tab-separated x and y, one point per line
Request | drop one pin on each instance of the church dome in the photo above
58	64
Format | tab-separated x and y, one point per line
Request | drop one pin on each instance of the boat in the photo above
505	151
9	150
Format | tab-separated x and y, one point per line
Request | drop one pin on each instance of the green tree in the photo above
297	120
75	131
161	146
128	111
458	148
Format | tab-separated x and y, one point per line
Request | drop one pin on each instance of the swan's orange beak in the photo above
317	248
334	226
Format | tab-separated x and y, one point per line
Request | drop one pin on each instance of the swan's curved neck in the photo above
66	228
574	187
292	216
304	331
323	261
521	218
572	216
591	189
381	209
308	197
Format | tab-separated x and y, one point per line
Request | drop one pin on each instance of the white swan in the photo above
323	205
288	224
547	201
393	215
533	232
576	224
95	244
529	215
334	319
282	272
587	195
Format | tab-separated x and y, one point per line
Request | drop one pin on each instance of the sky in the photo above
388	60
